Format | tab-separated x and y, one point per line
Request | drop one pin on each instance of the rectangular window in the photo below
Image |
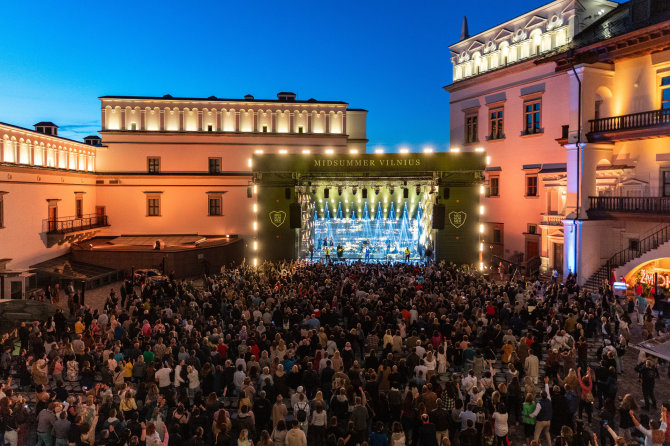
214	165
265	128
215	206
494	183
532	228
496	124
471	128
133	126
300	129
153	164
533	116
210	128
154	207
79	207
666	183
598	106
531	185
665	92
497	236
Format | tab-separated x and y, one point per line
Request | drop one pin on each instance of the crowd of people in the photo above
297	354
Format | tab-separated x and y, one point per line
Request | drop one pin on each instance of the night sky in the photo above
389	57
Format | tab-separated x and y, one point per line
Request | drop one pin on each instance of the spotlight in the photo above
313	190
418	189
376	190
355	190
405	192
326	193
339	190
391	190
364	192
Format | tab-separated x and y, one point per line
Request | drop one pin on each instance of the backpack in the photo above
301	416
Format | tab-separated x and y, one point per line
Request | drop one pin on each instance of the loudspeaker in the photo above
326	193
294	215
405	193
446	193
365	193
438	216
287	193
248	191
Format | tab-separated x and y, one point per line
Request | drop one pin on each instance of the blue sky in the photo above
389	57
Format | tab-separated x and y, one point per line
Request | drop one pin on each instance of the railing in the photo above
73	224
630	122
622	257
637	205
553	220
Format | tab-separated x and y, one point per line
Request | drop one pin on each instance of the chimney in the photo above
464	29
286	96
248	97
93	140
47	128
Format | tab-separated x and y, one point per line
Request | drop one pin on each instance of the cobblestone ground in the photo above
627	382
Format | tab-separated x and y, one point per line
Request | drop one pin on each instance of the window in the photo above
215	206
2	211
300	129
531	185
153	164
214	165
496	123
471	128
497	236
265	128
634	244
494	183
665	92
154	207
666	184
533	116
532	228
210	128
598	107
133	126
79	207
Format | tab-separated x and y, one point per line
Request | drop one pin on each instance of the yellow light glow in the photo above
283	151
481	228
255	226
255	245
481	210
353	151
359	210
481	246
249	162
479	149
404	150
259	152
481	266
255	262
428	150
255	189
306	152
488	159
347	209
320	200
455	149
255	207
481	190
329	151
379	150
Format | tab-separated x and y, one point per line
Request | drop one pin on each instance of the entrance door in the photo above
100	215
53	218
532	249
16	290
558	257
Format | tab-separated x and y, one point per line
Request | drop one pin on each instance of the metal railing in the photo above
72	224
638	205
632	121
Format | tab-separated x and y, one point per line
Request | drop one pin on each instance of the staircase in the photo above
658	236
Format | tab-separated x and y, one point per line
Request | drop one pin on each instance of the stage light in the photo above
339	190
347	209
313	190
418	189
391	190
329	151
376	190
455	149
481	266
354	190
359	210
326	193
405	192
428	150
346	200
482	189
255	226
306	152
481	246
283	151
404	150
255	207
255	245
379	150
259	152
386	200
364	192
481	209
479	149
353	151
359	199
320	200
481	228
255	262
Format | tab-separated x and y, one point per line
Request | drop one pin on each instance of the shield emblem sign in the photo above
277	218
457	218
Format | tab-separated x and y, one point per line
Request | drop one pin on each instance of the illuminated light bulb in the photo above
481	190
255	245
353	151
346	201
259	152
255	207
306	152
329	151
359	210
481	228
404	150
379	150
320	200
347	209
322	210
488	160
249	162
481	210
255	261
455	149
428	150
255	225
479	149
283	151
255	189
386	200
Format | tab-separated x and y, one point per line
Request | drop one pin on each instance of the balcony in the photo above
552	220
635	208
644	125
68	225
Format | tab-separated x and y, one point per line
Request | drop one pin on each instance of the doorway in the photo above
558	257
53	218
532	249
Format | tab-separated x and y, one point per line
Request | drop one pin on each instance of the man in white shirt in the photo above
163	377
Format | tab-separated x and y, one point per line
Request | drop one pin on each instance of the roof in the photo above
46	123
92	137
215	99
42	134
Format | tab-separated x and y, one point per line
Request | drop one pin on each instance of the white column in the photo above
200	118
327	122
123	119
255	112
103	118
181	120
161	118
219	120
309	122
291	122
143	119
237	120
273	121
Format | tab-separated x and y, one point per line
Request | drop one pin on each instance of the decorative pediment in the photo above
477	45
503	34
534	22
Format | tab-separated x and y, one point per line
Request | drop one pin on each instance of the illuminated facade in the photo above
576	135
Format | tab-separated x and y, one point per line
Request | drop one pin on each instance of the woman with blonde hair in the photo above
431	364
336	361
279	411
243	439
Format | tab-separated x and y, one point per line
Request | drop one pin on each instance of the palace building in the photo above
569	103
